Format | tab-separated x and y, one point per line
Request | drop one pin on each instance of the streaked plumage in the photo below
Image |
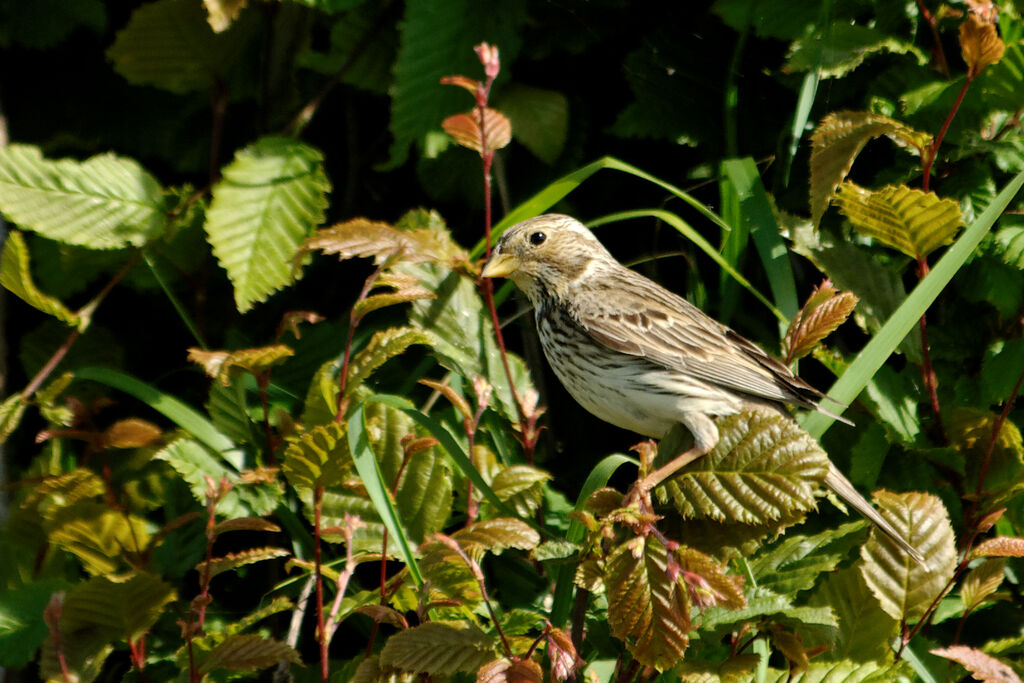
638	356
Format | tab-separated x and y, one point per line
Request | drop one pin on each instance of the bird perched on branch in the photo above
642	358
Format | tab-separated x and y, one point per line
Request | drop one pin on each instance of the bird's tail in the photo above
842	486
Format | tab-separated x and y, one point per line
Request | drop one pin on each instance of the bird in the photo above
643	358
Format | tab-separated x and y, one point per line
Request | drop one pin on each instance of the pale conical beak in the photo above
500	265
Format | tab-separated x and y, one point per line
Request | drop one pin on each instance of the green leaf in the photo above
220	364
98	535
105	202
865	632
647	609
496	535
521	487
540	119
16	276
912	221
122	609
763	467
22	629
382	347
838	140
269	200
841	47
11	411
982	582
248	652
170	45
367	62
903	587
219	565
797	562
1011	242
318	457
1001	368
438	649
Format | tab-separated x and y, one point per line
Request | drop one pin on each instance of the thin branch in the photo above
940	54
321	634
933	150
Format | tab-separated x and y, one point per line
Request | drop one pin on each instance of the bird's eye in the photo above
537	238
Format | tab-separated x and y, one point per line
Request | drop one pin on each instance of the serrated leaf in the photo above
865	631
363	238
465	129
382	347
825	310
496	535
763	467
903	587
539	118
763	603
245	524
122	609
706	580
378	301
248	652
1002	546
271	197
168	44
16	277
980	44
981	582
838	140
319	457
219	565
98	535
219	364
507	671
105	202
983	667
841	47
914	222
521	487
11	411
438	648
797	562
647	608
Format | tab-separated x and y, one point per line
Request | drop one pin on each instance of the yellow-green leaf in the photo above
382	347
248	652
402	296
903	587
438	648
838	140
219	364
98	535
982	581
319	457
914	222
123	608
825	310
11	412
495	535
16	276
219	565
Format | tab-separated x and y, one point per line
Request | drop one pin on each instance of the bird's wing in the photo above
641	318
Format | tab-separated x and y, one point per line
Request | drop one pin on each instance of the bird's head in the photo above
546	254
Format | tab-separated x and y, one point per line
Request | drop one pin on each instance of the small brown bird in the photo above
640	357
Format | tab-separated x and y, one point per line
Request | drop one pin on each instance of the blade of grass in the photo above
734	244
756	209
882	345
176	411
598	477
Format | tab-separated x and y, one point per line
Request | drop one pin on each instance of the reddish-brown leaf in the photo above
1003	546
980	44
825	310
465	128
983	667
131	433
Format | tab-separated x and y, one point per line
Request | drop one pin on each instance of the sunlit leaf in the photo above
438	648
980	44
248	652
983	667
170	45
223	12
981	582
496	535
914	222
903	587
838	140
465	128
363	238
378	301
825	310
16	277
219	364
319	457
1001	546
11	411
521	487
271	197
130	433
105	202
98	535
648	609
840	47
798	561
219	565
763	467
382	347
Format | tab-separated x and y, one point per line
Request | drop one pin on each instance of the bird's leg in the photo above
640	492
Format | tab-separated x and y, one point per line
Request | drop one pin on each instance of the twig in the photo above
940	54
933	150
353	322
318	503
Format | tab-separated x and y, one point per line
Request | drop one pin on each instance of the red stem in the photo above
933	150
927	372
318	500
262	382
940	54
996	427
353	322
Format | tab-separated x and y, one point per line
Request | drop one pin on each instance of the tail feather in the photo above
842	486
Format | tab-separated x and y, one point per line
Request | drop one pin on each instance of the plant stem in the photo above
353	322
940	54
927	372
996	428
318	501
933	150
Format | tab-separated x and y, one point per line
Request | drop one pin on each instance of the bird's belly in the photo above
629	391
